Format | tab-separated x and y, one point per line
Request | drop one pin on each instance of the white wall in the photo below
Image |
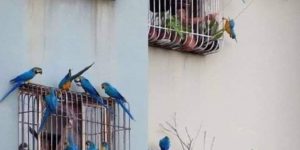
58	34
248	94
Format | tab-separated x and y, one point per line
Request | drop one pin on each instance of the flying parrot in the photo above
71	145
164	143
91	146
90	89
66	82
114	93
229	28
21	79
51	102
105	146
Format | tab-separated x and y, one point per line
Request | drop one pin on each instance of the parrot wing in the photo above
64	80
23	77
111	91
80	72
89	88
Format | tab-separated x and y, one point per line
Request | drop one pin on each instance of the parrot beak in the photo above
39	71
77	81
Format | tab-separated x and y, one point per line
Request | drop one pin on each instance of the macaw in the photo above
71	145
51	102
21	79
90	89
229	28
91	146
164	143
23	146
105	146
114	93
66	82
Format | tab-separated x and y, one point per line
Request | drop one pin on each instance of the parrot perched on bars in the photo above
105	146
66	82
164	143
71	145
229	28
90	89
91	146
51	102
114	93
21	79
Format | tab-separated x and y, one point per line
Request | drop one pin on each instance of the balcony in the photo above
186	25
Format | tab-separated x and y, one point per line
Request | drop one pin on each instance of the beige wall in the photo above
248	94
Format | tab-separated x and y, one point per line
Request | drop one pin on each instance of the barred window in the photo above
77	115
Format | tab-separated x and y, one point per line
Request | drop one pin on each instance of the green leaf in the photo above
218	35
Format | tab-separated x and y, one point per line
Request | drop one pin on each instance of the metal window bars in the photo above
185	25
77	115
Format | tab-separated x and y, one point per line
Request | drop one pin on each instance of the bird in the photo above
105	146
229	28
90	89
21	79
51	103
71	145
164	143
114	93
23	146
91	146
66	82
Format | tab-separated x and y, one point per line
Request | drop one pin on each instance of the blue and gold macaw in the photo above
51	103
71	145
114	93
89	88
66	82
164	143
21	79
91	146
229	28
105	146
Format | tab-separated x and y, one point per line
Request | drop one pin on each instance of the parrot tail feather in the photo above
125	109
45	117
33	132
11	90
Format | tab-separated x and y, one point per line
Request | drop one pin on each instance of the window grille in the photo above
77	115
185	25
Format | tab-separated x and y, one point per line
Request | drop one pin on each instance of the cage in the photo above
185	25
77	116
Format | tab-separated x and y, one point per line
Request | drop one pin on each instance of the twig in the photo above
212	143
204	140
196	136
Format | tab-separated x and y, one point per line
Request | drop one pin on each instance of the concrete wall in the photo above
58	34
247	95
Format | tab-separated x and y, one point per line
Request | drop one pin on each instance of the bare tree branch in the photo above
212	143
172	128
